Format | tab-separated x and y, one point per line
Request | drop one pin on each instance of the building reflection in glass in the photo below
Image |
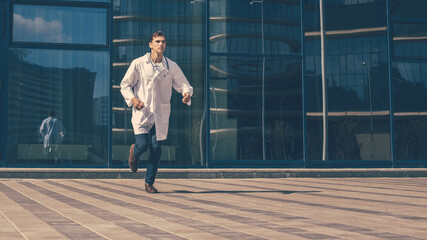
357	75
409	79
183	23
255	80
75	85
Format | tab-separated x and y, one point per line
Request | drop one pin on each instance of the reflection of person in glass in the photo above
147	85
52	132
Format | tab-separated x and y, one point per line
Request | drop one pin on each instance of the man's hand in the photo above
138	104
186	98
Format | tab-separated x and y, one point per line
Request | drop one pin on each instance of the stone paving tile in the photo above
298	208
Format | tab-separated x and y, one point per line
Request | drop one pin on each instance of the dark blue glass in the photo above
75	84
408	8
410	40
410	91
255	27
357	78
256	108
51	24
183	23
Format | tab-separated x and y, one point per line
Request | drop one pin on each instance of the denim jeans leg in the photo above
141	144
154	158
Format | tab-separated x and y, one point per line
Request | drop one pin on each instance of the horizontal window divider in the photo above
256	19
255	93
163	19
349	113
410	59
297	163
408	20
130	130
214	110
59	46
254	55
293	41
122	109
170	42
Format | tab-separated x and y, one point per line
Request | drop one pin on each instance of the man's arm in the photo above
126	86
42	129
181	85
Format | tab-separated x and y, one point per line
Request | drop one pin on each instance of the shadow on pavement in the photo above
260	191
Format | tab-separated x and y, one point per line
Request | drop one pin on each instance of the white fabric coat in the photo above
52	132
154	88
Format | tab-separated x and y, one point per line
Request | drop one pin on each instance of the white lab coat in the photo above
154	88
52	132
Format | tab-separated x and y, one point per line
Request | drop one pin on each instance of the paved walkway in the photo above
279	208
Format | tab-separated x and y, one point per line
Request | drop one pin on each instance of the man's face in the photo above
158	44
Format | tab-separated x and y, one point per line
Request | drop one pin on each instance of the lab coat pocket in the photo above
166	110
140	116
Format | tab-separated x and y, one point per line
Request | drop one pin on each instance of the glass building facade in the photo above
258	69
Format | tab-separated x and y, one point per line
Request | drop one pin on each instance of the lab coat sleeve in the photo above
43	129
180	82
128	82
63	131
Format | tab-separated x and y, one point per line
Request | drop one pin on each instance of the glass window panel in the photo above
88	1
240	128
357	94
410	96
409	8
183	23
75	84
410	40
50	24
281	26
409	84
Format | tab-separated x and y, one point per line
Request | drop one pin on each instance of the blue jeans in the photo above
141	145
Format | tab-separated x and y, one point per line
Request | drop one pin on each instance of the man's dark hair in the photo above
157	34
52	113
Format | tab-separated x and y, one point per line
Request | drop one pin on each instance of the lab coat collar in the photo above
164	64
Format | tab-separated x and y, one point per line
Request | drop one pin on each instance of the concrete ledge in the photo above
118	173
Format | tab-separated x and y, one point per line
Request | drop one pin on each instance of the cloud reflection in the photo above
38	29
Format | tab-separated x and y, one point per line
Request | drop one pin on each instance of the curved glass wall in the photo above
258	61
356	67
409	79
3	79
183	23
255	81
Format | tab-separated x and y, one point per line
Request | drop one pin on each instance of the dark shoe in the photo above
150	188
133	162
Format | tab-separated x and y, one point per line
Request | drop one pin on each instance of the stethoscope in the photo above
154	67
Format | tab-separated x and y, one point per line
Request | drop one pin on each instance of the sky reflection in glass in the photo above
51	24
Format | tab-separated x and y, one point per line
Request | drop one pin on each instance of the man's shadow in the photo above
243	191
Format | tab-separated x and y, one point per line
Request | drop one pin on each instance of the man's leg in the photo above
140	146
153	162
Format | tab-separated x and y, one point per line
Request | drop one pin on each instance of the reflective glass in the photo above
410	114
255	117
183	24
89	1
74	84
50	24
255	27
410	40
357	78
408	8
3	71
